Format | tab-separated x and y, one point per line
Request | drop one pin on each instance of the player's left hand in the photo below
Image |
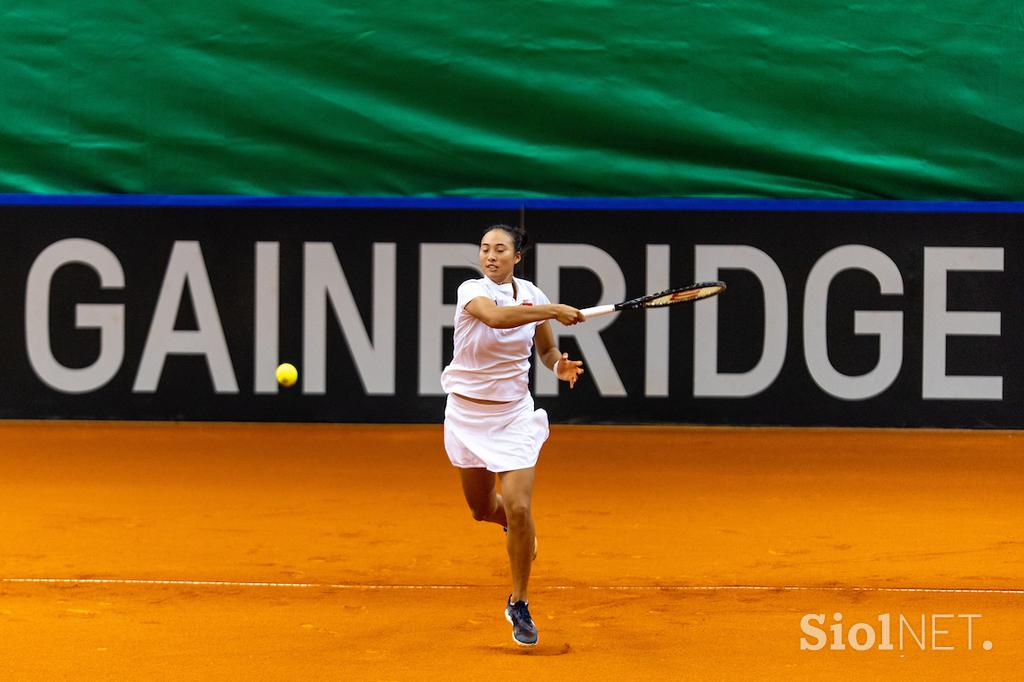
568	370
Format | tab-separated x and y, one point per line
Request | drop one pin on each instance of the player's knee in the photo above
517	512
481	512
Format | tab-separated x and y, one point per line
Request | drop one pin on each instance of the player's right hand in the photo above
568	315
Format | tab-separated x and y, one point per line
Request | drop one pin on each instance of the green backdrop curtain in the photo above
805	99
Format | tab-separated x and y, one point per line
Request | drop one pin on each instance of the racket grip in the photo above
597	311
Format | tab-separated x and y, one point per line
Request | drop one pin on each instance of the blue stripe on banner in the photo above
585	203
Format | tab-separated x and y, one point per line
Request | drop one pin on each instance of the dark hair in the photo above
520	240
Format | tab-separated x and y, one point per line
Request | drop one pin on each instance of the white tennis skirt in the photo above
502	437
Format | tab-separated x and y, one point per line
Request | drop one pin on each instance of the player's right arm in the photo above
506	317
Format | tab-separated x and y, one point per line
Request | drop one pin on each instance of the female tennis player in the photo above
490	427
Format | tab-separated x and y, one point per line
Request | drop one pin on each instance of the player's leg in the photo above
517	492
517	495
478	485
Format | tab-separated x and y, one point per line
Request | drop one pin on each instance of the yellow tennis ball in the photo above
286	374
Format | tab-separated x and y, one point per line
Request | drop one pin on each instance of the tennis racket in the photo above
694	292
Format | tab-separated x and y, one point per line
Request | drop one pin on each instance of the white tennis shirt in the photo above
488	363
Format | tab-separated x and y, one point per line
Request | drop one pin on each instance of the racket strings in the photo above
693	293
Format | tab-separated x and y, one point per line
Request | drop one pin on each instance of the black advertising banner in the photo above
837	313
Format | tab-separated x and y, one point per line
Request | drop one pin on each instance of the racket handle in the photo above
597	311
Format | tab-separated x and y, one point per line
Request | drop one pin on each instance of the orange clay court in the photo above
332	552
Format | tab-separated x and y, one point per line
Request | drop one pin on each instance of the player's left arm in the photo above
555	360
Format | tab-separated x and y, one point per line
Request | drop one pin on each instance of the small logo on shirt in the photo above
527	303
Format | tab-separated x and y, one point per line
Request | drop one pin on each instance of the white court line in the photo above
620	588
